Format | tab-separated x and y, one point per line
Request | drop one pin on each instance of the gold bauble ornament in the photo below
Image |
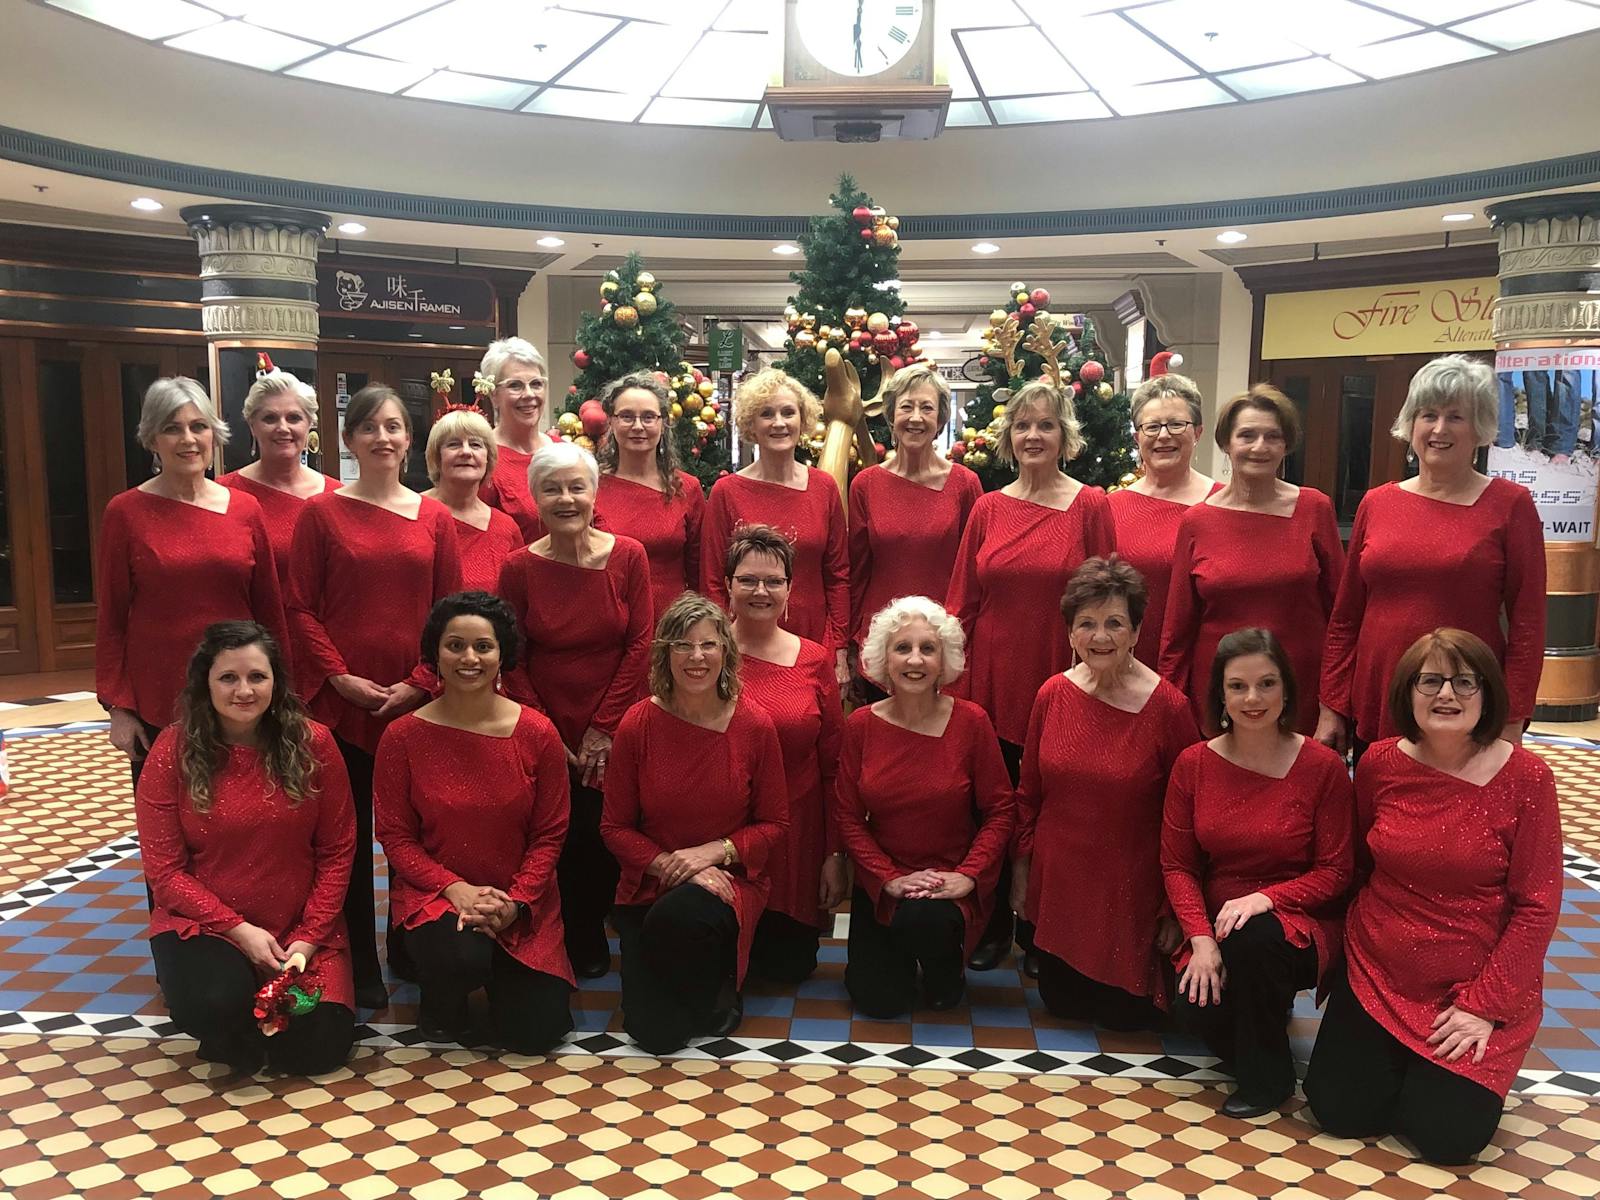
645	281
804	340
708	414
855	317
824	332
997	318
999	411
819	430
645	302
677	410
707	389
584	440
968	434
976	459
1105	391
1128	480
1022	297
879	213
808	321
569	422
893	223
877	323
884	236
791	314
609	289
685	368
625	315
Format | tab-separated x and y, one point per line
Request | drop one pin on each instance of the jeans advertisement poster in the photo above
1546	438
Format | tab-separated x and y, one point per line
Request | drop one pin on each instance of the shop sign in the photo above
1404	318
725	348
1546	438
373	292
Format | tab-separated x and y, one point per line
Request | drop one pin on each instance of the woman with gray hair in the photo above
517	371
461	454
924	809
1450	547
582	598
176	554
281	413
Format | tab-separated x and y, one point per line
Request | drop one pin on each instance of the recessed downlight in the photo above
786	248
986	248
146	204
550	243
1230	237
352	228
1454	217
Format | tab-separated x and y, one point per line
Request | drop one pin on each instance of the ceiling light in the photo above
352	227
933	333
887	285
145	204
986	248
1457	217
785	248
1229	237
550	243
457	328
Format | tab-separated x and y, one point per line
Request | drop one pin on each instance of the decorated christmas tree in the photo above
637	329
840	301
1011	356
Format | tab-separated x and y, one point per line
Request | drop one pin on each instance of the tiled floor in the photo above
995	1098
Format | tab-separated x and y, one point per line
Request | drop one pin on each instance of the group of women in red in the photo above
564	689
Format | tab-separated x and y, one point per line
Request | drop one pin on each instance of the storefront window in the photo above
66	480
1298	389
1356	396
136	379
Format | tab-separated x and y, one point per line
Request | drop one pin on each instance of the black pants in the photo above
359	914
881	970
1071	995
136	769
1250	1028
529	1009
587	876
210	990
1362	1082
785	950
1003	924
678	957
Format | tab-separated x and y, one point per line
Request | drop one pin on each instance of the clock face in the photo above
860	38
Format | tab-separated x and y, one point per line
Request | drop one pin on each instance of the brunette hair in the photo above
683	614
285	729
472	604
1264	398
666	449
365	403
907	379
1239	644
1099	579
760	539
1464	652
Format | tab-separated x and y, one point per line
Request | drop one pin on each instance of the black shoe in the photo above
372	995
1030	964
946	1000
1239	1107
989	955
591	964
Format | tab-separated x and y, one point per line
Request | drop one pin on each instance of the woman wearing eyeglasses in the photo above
643	494
1458	870
517	370
1261	553
1167	423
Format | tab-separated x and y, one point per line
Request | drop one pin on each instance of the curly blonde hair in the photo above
761	389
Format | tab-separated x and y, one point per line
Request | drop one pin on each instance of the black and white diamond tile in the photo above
37	891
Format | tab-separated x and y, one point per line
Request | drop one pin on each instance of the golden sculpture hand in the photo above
846	416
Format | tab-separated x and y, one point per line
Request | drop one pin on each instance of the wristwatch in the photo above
523	910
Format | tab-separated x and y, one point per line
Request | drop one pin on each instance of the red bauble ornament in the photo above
983	360
1027	310
554	435
1077	388
580	359
907	332
896	362
979	442
593	415
885	343
958	451
879	448
866	235
862	215
1091	373
1040	297
695	450
699	376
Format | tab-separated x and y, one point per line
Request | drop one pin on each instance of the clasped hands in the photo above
701	865
489	910
930	885
386	702
263	951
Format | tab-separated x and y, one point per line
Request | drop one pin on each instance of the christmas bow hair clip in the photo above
284	996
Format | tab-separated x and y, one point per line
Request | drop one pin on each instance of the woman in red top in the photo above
461	454
582	600
247	833
1020	547
643	494
1167	423
1261	553
907	515
175	554
471	800
1255	847
1102	738
694	857
281	413
368	562
800	502
924	808
791	678
1450	547
1458	865
517	371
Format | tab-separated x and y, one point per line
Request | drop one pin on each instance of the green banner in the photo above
726	349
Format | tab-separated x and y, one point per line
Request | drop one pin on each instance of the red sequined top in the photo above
668	529
1459	888
483	551
1089	815
738	793
904	538
507	490
1147	530
167	569
253	856
455	806
1015	559
1417	563
803	702
280	511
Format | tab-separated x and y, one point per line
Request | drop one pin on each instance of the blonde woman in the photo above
461	454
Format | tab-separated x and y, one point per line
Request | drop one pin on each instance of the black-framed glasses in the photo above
1431	683
1156	428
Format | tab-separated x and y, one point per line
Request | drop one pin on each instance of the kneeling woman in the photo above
1255	847
1458	866
470	798
924	809
696	801
247	832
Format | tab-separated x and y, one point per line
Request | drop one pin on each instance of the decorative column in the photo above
258	288
1546	328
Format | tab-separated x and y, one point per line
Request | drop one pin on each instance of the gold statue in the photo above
846	416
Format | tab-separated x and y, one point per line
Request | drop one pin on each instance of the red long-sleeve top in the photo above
1417	563
1089	816
453	806
1459	888
1232	569
803	702
1229	831
904	538
813	521
253	856
588	635
1015	559
362	582
483	551
738	792
908	801
280	511
507	490
669	529
166	570
1147	531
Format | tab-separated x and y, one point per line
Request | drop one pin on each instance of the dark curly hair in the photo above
472	604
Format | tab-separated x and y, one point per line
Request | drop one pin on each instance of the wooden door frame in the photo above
23	500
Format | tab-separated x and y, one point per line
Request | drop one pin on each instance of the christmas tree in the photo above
1007	363
839	301
637	330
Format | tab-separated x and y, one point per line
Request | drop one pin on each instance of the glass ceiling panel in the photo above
1164	97
724	66
1530	24
1406	55
493	37
1439	12
719	113
1307	75
639	56
143	18
332	23
594	106
1109	51
1218	37
361	71
472	89
1012	62
238	42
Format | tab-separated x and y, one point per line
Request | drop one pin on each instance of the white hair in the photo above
1453	381
166	396
895	616
557	456
274	382
512	349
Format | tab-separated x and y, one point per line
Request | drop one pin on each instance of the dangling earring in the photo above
1227	722
155	464
1411	457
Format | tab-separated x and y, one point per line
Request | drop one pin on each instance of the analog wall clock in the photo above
859	39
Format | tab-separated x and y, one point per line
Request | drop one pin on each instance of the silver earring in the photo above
1227	722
